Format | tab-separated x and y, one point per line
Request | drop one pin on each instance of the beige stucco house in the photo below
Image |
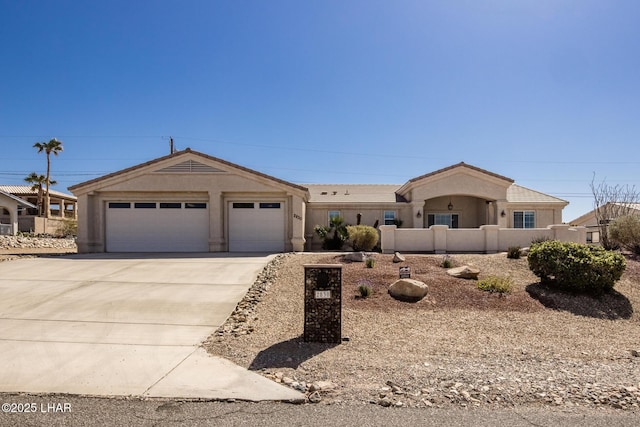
30	220
190	201
615	209
10	209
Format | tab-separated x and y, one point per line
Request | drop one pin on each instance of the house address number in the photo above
323	294
296	216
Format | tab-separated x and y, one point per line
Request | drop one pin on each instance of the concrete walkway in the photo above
125	324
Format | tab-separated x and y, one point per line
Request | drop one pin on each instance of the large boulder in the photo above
408	290
356	256
464	272
398	257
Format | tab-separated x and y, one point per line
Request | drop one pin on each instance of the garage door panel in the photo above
256	226
157	229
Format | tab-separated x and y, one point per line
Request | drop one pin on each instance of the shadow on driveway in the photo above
610	306
288	354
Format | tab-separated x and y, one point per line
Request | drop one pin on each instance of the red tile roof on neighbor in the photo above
178	154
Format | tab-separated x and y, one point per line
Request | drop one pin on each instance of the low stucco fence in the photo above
441	239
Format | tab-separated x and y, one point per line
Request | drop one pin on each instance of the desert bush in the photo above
363	237
336	240
576	267
365	288
626	232
370	262
68	227
514	252
495	284
540	239
447	262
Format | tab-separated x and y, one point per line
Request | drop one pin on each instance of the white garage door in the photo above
256	227
157	227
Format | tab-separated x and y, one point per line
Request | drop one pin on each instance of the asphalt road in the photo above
60	410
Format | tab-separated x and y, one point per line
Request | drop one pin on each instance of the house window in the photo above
119	205
333	214
442	219
190	205
145	205
242	205
524	219
389	217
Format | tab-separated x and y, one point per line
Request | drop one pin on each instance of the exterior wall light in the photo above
418	215
450	206
503	214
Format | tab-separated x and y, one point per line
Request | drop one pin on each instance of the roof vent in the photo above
324	193
334	192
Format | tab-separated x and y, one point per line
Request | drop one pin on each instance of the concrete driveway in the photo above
125	324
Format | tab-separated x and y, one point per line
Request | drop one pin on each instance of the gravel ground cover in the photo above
459	346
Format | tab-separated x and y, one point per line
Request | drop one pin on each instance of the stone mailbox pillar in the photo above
323	303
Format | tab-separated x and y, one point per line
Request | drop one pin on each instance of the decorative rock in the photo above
322	386
464	272
315	397
408	290
356	257
397	257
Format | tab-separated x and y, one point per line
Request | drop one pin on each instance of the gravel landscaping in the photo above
458	346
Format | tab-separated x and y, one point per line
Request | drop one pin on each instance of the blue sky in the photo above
544	92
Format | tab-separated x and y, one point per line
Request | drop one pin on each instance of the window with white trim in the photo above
389	217
524	219
442	219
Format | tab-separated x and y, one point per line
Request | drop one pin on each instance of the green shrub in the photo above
363	237
370	262
447	262
495	284
336	240
625	231
365	291
365	288
540	239
68	227
576	267
514	252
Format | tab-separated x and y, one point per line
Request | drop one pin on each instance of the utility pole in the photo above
171	145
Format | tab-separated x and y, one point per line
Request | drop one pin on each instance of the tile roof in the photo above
178	154
25	190
457	165
17	199
354	193
516	193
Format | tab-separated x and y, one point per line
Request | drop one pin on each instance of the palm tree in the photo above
36	182
53	146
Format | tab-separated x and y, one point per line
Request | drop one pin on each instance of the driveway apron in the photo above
125	324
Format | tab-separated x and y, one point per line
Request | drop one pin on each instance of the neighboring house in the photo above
10	209
589	220
190	201
63	206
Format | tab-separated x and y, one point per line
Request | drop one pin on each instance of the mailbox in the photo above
323	303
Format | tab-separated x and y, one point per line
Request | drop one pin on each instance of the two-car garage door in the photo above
157	227
184	226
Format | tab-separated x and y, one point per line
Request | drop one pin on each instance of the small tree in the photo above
611	202
625	230
52	147
37	181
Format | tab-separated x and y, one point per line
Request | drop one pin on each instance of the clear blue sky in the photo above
544	92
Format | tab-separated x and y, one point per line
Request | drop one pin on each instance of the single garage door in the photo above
157	227
256	227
